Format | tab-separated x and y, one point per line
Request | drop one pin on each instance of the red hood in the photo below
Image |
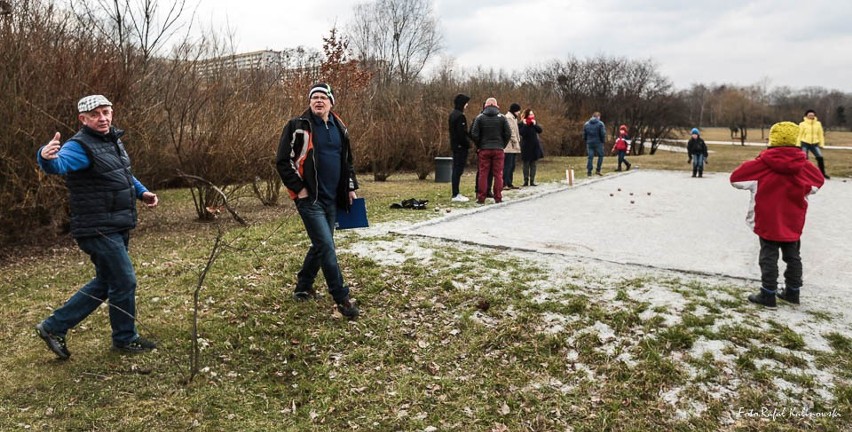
784	160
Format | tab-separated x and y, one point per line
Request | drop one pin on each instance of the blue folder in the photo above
356	218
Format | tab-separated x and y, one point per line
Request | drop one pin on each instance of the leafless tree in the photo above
141	25
397	37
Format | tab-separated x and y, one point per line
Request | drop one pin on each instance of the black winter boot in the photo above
789	295
821	163
628	165
700	172
764	297
694	172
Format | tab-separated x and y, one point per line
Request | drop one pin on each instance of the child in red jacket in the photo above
621	147
780	180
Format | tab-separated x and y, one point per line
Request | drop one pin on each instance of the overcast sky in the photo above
788	43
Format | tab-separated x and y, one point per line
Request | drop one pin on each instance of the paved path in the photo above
671	221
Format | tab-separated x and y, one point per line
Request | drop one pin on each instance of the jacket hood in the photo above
787	160
460	100
594	120
491	111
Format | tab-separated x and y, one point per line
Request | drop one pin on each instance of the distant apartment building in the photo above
283	62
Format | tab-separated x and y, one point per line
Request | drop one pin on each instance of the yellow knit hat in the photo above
783	134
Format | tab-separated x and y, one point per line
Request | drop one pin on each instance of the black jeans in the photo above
459	162
769	264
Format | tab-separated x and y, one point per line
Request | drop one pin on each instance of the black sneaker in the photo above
763	298
789	296
54	343
348	309
304	295
139	345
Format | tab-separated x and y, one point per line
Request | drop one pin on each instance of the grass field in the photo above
452	338
832	138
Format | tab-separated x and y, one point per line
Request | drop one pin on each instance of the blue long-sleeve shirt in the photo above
72	158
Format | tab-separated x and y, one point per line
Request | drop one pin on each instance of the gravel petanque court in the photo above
666	220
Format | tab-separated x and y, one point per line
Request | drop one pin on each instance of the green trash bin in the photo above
443	169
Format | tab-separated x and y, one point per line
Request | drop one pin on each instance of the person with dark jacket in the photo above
531	151
102	197
459	144
780	180
315	163
491	133
594	135
696	149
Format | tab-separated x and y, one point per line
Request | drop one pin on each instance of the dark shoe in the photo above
139	345
589	174
821	163
598	173
618	170
489	195
54	343
526	184
700	173
304	295
480	201
764	297
790	296
628	167
349	309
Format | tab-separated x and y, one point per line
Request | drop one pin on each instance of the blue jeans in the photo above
114	279
594	150
319	218
813	148
509	168
698	162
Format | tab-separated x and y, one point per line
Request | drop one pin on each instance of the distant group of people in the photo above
315	163
498	139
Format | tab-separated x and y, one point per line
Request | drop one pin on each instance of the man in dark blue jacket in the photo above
594	134
103	194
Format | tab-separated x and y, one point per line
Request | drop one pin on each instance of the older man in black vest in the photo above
103	194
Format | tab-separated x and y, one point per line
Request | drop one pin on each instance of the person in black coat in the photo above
459	143
531	151
697	151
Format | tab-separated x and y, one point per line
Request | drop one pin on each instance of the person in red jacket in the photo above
621	147
780	180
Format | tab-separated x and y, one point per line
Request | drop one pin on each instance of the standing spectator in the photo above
812	138
513	148
459	143
696	149
491	133
594	134
530	145
621	147
102	196
315	163
780	180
